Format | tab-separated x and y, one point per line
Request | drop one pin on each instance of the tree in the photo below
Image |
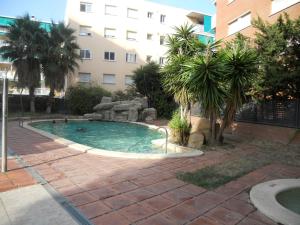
204	77
60	58
147	80
278	46
182	46
240	66
24	47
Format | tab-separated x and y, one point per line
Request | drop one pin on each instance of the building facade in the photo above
6	68
233	16
117	36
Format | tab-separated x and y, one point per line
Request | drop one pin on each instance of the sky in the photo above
48	10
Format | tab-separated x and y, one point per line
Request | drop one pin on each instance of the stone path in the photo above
130	191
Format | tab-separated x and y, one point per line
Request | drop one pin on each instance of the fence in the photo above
279	113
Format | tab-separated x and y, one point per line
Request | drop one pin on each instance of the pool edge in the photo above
103	152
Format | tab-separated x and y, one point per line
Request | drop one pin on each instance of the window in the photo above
128	80
3	29
111	10
131	35
85	7
84	78
162	40
149	36
162	60
148	58
109	78
131	57
239	24
162	18
109	32
132	13
109	56
85	54
150	15
278	5
85	30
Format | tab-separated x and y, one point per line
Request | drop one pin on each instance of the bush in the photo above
180	129
81	99
147	80
14	104
129	94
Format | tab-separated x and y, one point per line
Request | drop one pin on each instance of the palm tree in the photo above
182	46
204	75
60	59
241	66
24	47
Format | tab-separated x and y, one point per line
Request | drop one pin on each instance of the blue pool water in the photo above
114	136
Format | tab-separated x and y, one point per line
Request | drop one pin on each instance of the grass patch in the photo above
214	176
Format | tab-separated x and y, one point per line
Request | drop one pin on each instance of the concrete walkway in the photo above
32	205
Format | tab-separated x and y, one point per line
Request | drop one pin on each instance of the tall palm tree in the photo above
60	59
204	75
181	47
25	45
241	66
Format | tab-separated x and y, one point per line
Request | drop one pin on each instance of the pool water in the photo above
113	136
290	199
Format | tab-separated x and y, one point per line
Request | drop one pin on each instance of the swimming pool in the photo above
113	136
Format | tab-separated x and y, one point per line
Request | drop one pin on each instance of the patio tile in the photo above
224	216
6	185
204	221
81	198
104	192
94	209
205	201
139	195
238	206
136	212
256	215
157	220
70	190
177	195
124	186
192	189
113	218
158	203
118	201
181	213
249	221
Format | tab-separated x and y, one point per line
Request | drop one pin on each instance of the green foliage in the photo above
147	80
278	46
81	99
180	129
129	94
25	44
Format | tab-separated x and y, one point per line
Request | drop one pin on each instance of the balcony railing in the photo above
199	28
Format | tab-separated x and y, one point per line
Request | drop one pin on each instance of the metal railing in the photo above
167	137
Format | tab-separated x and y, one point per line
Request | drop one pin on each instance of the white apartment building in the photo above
117	36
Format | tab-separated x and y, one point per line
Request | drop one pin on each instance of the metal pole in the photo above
4	125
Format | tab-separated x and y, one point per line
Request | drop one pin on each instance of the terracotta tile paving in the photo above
15	177
122	191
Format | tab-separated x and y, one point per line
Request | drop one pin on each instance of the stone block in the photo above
104	106
133	114
196	140
106	99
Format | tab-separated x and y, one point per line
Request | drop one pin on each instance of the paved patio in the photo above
130	191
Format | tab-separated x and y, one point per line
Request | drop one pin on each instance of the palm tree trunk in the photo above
50	101
32	99
213	128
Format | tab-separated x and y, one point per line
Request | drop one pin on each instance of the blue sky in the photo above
55	9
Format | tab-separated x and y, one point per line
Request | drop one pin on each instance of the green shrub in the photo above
180	129
129	94
81	99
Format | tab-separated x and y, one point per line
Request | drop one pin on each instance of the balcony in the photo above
199	28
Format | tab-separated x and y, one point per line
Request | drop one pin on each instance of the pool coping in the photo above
263	197
103	152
